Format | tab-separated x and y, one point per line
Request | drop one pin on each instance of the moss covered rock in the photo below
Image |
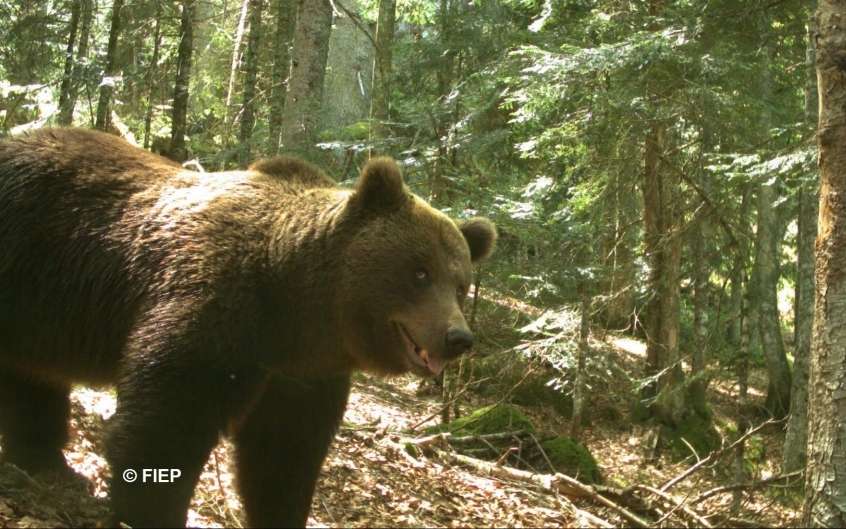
490	419
535	391
696	431
570	457
357	131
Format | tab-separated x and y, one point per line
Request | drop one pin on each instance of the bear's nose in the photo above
459	341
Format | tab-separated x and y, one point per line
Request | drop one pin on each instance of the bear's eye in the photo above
421	276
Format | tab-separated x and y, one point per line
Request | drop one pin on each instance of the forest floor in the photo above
369	480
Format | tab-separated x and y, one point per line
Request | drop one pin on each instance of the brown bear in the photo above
235	302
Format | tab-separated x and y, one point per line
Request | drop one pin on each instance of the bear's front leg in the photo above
282	444
168	419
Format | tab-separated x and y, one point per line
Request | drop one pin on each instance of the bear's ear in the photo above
380	185
481	237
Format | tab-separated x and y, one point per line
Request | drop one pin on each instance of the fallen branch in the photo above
741	522
713	456
676	505
558	482
450	438
751	485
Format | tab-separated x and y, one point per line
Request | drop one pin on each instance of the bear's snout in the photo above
458	341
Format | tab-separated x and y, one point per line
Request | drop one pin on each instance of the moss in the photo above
697	431
639	412
490	419
534	392
570	457
357	131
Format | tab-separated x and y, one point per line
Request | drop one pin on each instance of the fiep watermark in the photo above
152	475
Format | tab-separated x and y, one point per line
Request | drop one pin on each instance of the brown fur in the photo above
294	170
243	297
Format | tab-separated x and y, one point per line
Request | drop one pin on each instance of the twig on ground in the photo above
676	505
745	486
447	405
543	453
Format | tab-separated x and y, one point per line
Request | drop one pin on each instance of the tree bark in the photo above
183	79
825	485
248	118
308	68
796	439
766	269
445	76
766	272
151	77
349	65
78	73
286	16
380	99
67	77
233	68
698	383
107	84
579	390
652	245
663	249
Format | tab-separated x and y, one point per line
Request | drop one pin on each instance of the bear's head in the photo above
407	272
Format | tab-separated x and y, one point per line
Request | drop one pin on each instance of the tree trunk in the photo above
579	390
738	338
663	248
380	99
698	383
248	117
445	76
286	16
67	77
738	284
308	68
796	439
233	68
107	85
652	245
670	406
151	77
742	423
825	484
766	272
183	79
766	268
349	65
78	74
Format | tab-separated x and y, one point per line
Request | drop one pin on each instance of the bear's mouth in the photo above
419	357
